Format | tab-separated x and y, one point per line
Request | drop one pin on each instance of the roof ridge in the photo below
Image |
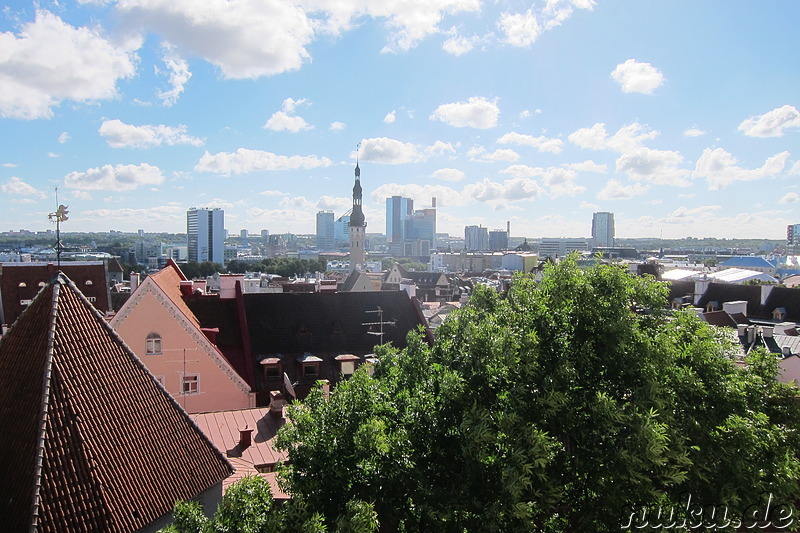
45	404
141	365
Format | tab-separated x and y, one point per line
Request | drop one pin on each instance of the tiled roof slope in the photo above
169	279
315	322
90	440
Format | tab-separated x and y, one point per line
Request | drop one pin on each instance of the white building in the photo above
603	229
206	231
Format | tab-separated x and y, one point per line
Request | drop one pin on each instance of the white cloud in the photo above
338	126
511	190
458	45
587	166
501	155
335	204
284	120
63	138
519	29
559	181
795	170
628	137
244	161
15	186
51	61
297	202
656	166
153	217
116	178
771	124
121	135
790	198
243	39
179	76
720	168
441	147
449	174
693	132
543	144
615	190
635	77
421	194
476	112
389	151
281	121
389	118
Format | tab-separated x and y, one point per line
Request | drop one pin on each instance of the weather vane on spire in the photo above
59	216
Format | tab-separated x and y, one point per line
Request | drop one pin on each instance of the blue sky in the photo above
681	117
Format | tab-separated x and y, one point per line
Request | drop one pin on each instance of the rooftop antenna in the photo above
380	323
59	216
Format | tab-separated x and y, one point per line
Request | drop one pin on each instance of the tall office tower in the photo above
243	235
603	229
341	231
793	234
498	240
206	231
358	226
398	210
324	230
476	238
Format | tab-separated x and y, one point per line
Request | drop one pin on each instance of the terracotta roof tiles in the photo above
91	441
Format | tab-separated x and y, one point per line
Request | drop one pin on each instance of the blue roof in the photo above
748	262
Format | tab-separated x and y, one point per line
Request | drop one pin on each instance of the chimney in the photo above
276	403
326	388
211	334
245	437
742	329
751	333
186	288
766	332
134	283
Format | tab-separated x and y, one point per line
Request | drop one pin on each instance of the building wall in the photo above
603	229
206	235
182	352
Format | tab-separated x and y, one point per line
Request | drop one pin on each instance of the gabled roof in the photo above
90	440
719	318
169	280
356	281
784	297
427	279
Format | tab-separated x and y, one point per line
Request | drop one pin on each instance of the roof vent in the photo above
245	437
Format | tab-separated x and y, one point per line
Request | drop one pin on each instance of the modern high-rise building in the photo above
398	210
603	229
325	230
341	231
206	231
498	240
476	238
358	226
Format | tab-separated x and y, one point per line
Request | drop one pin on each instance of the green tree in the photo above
564	406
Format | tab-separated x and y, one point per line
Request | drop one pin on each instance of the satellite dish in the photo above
287	384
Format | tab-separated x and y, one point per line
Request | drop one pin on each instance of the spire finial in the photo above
358	170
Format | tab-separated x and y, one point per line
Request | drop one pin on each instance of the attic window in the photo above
310	370
23	284
779	313
88	282
41	283
153	344
272	368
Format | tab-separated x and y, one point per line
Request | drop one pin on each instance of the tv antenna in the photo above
381	322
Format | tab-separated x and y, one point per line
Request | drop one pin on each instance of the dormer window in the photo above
311	366
347	364
779	313
23	284
152	344
272	368
88	282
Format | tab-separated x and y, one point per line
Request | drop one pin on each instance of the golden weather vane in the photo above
59	216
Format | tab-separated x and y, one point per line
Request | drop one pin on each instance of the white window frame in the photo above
193	382
153	344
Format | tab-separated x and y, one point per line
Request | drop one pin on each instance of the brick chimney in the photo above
245	437
276	403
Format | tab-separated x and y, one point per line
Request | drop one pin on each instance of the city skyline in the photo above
678	117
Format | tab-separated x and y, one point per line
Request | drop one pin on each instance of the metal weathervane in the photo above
59	216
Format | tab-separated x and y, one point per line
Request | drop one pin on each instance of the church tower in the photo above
358	226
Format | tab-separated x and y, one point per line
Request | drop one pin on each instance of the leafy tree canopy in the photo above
561	407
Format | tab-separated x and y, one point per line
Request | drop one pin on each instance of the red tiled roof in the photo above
90	440
169	280
222	428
